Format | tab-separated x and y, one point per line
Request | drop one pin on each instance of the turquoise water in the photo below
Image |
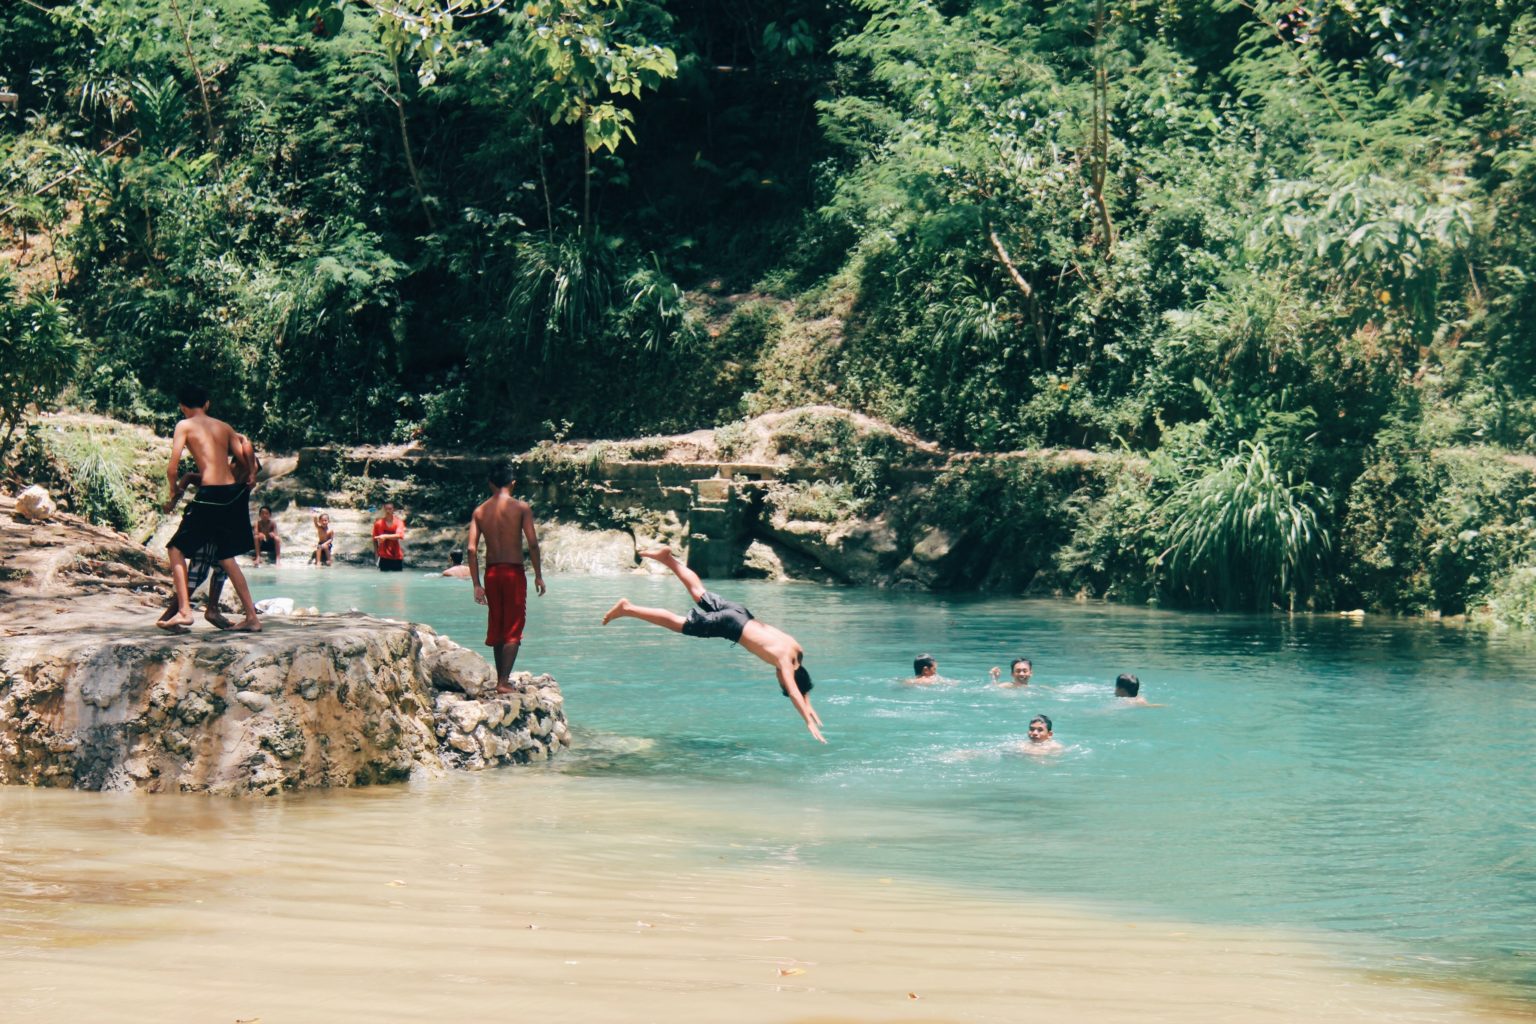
1370	780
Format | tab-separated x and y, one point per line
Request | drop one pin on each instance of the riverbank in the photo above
822	494
598	900
94	696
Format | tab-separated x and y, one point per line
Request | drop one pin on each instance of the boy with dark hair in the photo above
325	539
1020	671
714	616
1128	690
388	532
1041	739
505	523
924	666
267	540
218	519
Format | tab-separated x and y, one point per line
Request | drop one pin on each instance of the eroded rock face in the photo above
321	702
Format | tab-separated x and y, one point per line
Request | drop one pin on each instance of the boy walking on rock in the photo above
219	517
504	522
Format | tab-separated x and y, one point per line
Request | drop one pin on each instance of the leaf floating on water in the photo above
790	972
913	995
247	1020
533	927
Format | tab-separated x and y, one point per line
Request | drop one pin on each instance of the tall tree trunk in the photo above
549	206
586	178
197	72
397	99
1098	159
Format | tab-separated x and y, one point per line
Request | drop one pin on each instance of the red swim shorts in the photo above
506	591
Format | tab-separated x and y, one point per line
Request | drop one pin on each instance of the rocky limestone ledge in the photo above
327	701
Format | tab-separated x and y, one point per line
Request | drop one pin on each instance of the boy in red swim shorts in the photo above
504	521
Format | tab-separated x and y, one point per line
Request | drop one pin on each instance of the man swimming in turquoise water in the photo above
715	616
1041	739
1019	673
1128	690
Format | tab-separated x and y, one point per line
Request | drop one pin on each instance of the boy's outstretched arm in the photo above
786	673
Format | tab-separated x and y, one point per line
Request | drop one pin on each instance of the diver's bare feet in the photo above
249	625
178	623
217	619
661	554
616	611
502	689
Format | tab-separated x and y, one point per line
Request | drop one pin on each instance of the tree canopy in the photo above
1250	239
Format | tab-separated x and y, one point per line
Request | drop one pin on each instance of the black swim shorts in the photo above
391	565
219	516
715	616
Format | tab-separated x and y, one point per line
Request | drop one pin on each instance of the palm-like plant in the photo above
563	292
1244	535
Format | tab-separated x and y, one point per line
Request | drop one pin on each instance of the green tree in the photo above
38	355
587	59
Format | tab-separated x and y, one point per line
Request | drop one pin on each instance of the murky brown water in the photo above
519	895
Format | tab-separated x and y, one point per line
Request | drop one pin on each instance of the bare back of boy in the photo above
502	521
213	444
218	518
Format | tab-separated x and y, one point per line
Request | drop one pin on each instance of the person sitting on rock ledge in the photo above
715	616
219	516
267	541
325	540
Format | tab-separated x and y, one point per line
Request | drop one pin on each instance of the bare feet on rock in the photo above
250	625
217	620
502	689
616	611
178	623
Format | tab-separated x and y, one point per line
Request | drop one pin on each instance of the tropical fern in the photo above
1244	535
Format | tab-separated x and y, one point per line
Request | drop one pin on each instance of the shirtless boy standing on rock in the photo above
504	521
715	616
219	516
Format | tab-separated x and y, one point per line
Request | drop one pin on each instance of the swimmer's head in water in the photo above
924	665
192	396
1039	728
502	474
457	556
1127	685
1021	670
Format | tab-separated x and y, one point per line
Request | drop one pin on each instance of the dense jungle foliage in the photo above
1281	253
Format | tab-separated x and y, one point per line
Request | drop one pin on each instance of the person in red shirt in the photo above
388	532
